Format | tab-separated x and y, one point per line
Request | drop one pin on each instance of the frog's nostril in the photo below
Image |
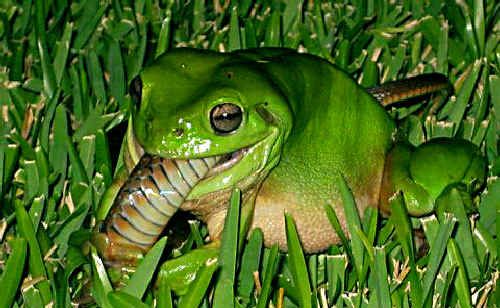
178	132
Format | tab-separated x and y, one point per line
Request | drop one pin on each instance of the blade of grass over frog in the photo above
100	282
332	217
36	263
270	271
13	271
250	261
144	273
353	223
119	299
382	285
163	293
462	287
297	263
200	287
437	253
224	290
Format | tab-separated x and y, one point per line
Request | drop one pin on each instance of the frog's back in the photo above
338	129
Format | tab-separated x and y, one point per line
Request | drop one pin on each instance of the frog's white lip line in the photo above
227	161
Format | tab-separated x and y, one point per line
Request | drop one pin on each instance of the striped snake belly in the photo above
154	191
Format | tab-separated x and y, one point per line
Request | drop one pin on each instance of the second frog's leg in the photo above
423	173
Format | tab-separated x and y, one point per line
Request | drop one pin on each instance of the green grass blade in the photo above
100	281
36	263
250	261
62	52
437	254
12	272
353	224
120	299
332	217
297	263
461	280
382	285
144	273
270	271
224	291
163	294
200	287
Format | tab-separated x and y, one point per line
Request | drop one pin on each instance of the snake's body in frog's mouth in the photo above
155	190
283	127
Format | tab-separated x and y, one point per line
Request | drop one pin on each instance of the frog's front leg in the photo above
423	173
180	272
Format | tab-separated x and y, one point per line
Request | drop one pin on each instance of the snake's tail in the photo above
401	90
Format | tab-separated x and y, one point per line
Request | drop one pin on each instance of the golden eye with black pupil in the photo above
135	90
226	118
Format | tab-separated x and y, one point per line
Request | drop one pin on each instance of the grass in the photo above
64	71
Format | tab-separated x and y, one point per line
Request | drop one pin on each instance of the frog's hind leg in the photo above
423	173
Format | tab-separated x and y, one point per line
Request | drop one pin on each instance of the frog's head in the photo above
193	104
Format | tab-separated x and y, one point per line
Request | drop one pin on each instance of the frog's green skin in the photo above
305	123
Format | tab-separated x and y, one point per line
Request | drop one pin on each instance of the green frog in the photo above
281	126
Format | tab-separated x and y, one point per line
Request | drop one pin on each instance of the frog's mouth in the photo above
227	161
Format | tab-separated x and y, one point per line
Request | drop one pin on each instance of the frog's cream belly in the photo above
315	230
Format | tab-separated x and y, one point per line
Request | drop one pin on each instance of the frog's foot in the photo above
423	174
180	272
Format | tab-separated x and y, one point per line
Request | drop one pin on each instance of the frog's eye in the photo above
226	118
135	90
